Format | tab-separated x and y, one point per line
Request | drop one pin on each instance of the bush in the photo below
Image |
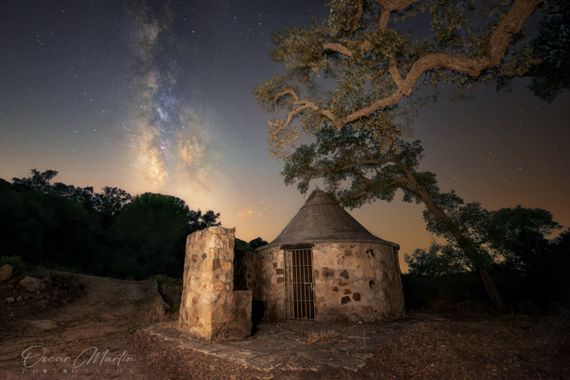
443	293
171	290
452	292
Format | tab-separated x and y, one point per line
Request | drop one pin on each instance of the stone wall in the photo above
353	281
270	283
209	307
357	282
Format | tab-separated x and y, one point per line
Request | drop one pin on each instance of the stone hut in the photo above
326	266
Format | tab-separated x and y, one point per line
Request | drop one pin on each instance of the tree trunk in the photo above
491	289
464	243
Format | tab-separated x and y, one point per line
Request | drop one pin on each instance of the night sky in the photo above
158	97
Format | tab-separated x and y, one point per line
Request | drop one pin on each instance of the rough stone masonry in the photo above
210	308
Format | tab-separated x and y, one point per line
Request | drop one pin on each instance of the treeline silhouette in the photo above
110	233
530	262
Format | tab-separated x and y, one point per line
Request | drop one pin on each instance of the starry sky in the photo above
157	96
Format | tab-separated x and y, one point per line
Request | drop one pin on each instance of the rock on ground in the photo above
44	324
31	284
6	272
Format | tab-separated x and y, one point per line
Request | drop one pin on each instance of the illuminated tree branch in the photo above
498	42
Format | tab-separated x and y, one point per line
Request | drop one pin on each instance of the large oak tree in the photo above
351	81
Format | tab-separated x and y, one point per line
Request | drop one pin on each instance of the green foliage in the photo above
39	181
353	48
520	235
446	293
243	246
171	290
63	226
536	283
513	239
543	285
110	202
551	75
438	261
43	228
300	50
256	243
241	249
151	230
354	163
352	82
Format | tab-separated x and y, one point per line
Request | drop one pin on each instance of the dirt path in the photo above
90	338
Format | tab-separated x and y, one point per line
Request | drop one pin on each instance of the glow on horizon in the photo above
160	100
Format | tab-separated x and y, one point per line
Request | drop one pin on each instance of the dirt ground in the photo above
59	289
90	337
112	315
506	347
427	348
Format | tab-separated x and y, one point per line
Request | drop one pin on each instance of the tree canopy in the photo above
352	81
152	229
514	239
107	233
362	65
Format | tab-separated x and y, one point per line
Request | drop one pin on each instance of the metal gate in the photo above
299	285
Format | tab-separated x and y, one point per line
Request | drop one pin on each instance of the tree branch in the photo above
338	48
375	162
498	43
389	6
395	72
287	91
398	182
298	106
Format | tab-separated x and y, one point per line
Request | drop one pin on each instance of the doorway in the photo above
299	284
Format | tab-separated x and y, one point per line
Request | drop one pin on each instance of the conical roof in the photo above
322	219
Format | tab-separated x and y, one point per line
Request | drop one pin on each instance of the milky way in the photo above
151	95
168	138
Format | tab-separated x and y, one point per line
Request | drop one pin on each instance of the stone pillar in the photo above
209	307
